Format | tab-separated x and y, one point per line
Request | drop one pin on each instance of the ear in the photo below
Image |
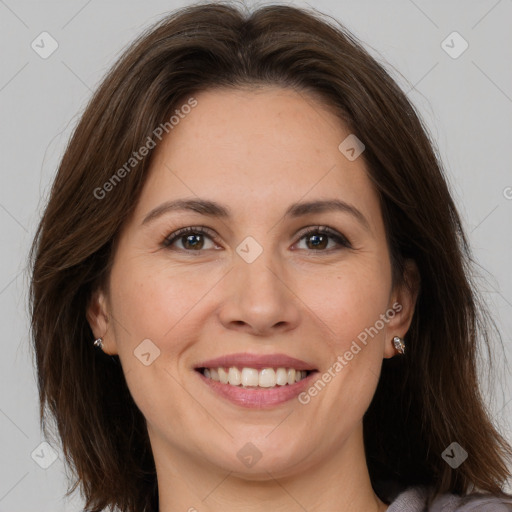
97	314
403	303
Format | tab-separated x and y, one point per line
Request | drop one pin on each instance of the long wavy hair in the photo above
424	401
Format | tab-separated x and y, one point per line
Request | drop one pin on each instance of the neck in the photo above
340	482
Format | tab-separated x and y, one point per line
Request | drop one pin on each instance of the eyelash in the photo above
324	230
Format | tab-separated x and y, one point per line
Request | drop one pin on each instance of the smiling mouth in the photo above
253	378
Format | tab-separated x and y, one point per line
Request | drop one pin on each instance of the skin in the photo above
255	151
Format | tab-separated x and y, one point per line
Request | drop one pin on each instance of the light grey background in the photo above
466	103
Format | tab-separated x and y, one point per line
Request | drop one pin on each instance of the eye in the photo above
191	237
318	238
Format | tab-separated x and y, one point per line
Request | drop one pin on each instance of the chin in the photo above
263	459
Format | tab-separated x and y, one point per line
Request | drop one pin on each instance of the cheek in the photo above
347	308
153	304
151	299
347	299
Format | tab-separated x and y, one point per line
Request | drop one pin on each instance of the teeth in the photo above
223	375
267	378
251	377
234	376
281	377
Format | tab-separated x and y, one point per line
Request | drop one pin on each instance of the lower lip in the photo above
258	398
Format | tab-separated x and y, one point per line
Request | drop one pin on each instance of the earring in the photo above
99	343
399	344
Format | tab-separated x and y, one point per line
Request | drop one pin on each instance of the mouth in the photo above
253	378
257	381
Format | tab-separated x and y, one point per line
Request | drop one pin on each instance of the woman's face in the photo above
254	285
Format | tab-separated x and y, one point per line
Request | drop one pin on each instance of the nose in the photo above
259	297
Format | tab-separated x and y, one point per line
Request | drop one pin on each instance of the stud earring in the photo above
99	343
399	344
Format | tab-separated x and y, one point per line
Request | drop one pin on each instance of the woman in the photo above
251	286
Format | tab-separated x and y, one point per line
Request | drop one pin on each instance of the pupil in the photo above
316	240
189	240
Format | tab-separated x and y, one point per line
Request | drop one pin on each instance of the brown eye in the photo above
191	238
317	241
317	238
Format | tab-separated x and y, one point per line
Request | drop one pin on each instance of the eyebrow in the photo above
213	209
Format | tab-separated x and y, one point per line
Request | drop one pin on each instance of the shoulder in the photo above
414	499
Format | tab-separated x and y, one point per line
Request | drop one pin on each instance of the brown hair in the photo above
424	401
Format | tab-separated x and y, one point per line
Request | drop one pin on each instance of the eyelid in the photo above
325	230
340	239
175	235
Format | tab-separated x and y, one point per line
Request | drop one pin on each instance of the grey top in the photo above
413	500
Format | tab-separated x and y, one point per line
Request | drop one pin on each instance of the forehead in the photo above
255	147
254	127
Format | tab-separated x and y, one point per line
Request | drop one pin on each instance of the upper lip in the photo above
257	361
